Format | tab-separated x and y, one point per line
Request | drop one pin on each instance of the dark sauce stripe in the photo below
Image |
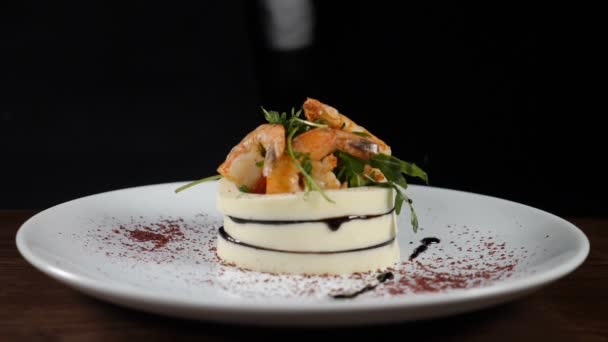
224	235
333	223
383	277
425	243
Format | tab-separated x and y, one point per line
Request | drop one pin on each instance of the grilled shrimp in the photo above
316	110
322	172
319	144
266	143
284	177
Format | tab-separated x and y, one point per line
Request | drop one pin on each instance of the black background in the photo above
97	97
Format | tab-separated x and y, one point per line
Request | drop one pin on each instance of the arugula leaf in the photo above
392	171
291	123
400	198
189	185
304	166
391	162
244	188
305	161
275	117
350	169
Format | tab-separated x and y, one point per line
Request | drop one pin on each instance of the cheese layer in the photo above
359	244
301	205
315	236
296	263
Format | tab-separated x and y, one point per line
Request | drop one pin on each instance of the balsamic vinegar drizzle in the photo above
381	279
333	223
424	246
425	243
224	235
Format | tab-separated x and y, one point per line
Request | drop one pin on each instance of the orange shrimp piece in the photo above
284	177
241	164
316	110
322	172
319	144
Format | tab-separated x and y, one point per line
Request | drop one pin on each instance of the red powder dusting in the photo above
473	259
154	236
164	240
481	264
143	236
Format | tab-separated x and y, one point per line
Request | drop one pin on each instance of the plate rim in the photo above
452	297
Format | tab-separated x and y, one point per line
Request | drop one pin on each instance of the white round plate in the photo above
151	249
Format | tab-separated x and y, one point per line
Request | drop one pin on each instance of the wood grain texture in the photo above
34	307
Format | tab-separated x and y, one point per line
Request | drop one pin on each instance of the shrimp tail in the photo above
315	110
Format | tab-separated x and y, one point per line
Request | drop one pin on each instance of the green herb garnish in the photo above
294	126
400	198
275	117
189	185
350	170
395	165
304	165
292	122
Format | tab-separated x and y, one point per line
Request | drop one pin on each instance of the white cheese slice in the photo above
336	263
315	236
301	205
367	243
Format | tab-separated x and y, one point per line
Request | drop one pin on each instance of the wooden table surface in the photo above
34	307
